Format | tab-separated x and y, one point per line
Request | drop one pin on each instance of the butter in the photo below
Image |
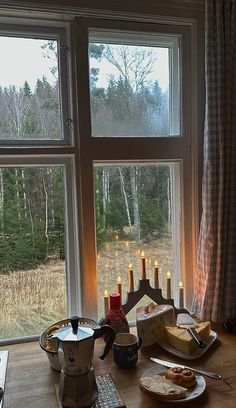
182	341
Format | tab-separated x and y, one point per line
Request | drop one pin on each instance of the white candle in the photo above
143	265
131	278
118	284
168	281
181	295
156	275
106	302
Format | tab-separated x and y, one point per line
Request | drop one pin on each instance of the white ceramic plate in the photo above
191	393
196	354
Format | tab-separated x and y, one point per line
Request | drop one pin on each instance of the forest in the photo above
127	198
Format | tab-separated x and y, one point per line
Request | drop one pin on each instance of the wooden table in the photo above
30	380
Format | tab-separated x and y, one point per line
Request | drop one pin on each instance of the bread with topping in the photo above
162	388
181	376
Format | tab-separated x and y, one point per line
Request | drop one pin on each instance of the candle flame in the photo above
98	256
117	237
168	274
119	279
105	293
181	284
126	244
116	254
130	266
155	263
142	254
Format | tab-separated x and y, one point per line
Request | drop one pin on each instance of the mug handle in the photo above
110	333
139	342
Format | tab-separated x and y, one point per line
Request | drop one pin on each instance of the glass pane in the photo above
32	265
29	89
130	90
134	207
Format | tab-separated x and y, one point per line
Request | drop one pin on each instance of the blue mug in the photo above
125	350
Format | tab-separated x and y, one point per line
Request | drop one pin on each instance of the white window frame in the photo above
61	35
72	268
80	152
117	150
150	39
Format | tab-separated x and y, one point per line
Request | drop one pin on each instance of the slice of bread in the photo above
162	388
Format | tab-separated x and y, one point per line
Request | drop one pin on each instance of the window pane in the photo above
131	90
32	266
134	213
29	89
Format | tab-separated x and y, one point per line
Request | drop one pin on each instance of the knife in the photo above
164	363
187	322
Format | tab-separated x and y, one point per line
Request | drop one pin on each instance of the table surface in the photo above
31	382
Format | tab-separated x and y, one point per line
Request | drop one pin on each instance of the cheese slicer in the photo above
185	321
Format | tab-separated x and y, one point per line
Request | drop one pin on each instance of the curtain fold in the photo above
215	286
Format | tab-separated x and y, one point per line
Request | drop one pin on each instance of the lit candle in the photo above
106	302
131	278
143	265
168	279
156	275
118	284
181	295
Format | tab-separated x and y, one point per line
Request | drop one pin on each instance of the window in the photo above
95	149
33	96
134	83
135	213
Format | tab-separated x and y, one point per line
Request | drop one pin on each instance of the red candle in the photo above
115	302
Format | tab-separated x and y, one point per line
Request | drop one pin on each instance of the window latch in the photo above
64	51
69	123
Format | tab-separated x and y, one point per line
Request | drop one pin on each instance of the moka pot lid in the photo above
80	329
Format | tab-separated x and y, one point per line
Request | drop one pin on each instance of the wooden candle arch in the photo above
143	289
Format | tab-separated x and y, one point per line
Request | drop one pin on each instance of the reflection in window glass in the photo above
133	214
32	266
29	89
130	90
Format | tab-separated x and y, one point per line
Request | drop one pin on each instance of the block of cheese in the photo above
182	341
151	321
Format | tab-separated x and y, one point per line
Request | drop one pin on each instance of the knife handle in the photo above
208	374
196	337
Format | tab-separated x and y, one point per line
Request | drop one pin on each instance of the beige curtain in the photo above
215	286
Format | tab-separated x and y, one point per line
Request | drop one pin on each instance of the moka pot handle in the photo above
110	335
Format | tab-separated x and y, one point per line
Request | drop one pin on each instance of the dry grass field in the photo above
31	300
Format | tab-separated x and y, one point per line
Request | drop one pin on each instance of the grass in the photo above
32	300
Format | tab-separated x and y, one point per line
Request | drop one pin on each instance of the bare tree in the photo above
135	64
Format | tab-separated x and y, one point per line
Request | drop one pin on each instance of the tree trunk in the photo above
46	215
24	193
18	198
105	188
125	196
135	199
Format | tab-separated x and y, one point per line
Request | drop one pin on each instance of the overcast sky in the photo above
24	59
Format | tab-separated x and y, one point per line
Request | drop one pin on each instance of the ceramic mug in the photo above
125	350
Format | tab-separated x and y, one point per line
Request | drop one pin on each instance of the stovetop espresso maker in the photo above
77	388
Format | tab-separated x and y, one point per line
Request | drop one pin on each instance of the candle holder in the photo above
143	289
